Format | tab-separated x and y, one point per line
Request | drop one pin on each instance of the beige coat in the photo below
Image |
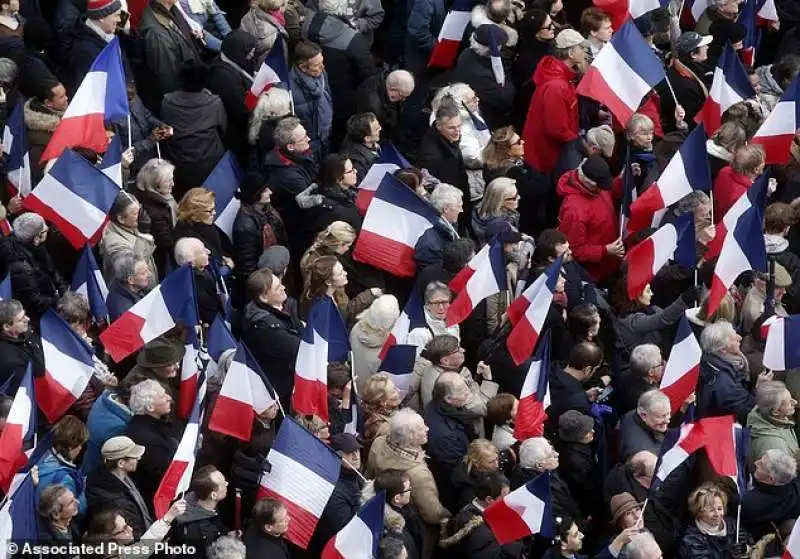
424	493
117	239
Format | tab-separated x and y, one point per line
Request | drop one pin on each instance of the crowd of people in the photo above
514	156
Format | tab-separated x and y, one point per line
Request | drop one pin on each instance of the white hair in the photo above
272	104
154	173
533	451
124	265
400	431
185	250
715	336
769	396
781	467
642	546
651	400
27	226
400	80
638	120
226	547
602	137
459	92
445	195
142	396
645	357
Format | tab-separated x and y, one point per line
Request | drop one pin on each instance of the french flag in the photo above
412	317
171	302
15	148
88	281
743	246
741	443
387	162
178	476
19	431
220	338
534	398
782	350
19	517
5	228
448	45
360	538
688	170
399	365
111	164
192	376
693	11
245	393
76	197
68	363
100	98
778	130
623	73
497	62
677	446
303	472
528	312
638	8
730	86
5	288
792	549
523	512
683	367
223	181
482	277
397	217
272	71
673	241
324	340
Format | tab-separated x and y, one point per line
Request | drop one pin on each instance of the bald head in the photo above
192	251
399	85
643	467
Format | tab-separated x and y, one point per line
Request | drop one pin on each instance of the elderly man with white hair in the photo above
724	372
37	283
151	428
383	95
402	449
192	252
449	202
775	495
646	367
642	546
771	422
644	428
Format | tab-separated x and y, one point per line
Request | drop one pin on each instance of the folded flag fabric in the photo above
523	512
483	276
19	430
17	152
272	71
448	45
388	161
111	164
683	367
730	86
782	350
223	181
778	131
76	197
361	537
89	282
534	399
412	316
399	365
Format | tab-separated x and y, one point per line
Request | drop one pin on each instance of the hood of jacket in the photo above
367	336
479	17
107	405
278	159
551	68
387	456
239	47
461	526
761	425
14	250
40	118
775	243
768	84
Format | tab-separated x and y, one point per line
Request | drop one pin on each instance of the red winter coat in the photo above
728	187
590	222
552	119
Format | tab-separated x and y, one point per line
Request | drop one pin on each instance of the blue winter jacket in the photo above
106	419
722	390
53	468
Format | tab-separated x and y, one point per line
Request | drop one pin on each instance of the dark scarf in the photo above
462	415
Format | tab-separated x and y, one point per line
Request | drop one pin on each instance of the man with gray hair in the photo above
149	427
771	422
775	495
642	546
646	367
448	201
131	281
193	252
18	345
383	95
57	509
644	427
37	283
291	167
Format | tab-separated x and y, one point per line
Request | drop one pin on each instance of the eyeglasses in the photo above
439	303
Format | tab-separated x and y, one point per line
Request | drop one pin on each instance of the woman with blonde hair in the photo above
504	157
154	185
379	400
482	458
196	215
712	534
335	240
500	202
328	278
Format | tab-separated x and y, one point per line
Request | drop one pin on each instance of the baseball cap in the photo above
690	41
117	448
568	38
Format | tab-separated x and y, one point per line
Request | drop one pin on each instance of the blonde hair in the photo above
496	193
313	423
195	204
377	390
326	243
726	310
703	497
477	450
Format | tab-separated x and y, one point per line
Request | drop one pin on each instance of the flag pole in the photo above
130	133
158	149
359	474
738	519
671	90
353	375
641	513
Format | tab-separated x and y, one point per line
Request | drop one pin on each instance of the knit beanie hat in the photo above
573	426
98	9
382	313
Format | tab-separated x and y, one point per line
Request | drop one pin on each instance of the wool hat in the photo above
98	9
690	41
159	353
596	170
382	313
621	504
487	32
117	448
252	186
573	426
276	258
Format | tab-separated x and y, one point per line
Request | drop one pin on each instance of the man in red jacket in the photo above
552	120
734	180
588	217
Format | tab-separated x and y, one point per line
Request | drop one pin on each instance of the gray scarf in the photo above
736	360
169	200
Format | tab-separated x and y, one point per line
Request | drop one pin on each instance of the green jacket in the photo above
769	432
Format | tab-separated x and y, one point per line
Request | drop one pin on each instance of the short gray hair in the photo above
334	7
142	396
50	502
602	137
652	399
8	71
27	226
153	173
185	250
715	336
272	104
641	546
781	467
447	110
9	309
226	547
400	427
124	265
445	195
638	120
645	357
532	451
434	288
769	396
73	307
400	80
284	131
692	200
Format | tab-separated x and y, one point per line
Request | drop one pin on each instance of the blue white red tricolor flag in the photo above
168	304
623	73
399	365
360	537
777	132
483	276
223	182
17	152
192	376
683	367
387	162
272	71
412	316
396	218
88	281
782	350
528	312
445	52
303	472
730	86
324	340
534	398
523	512
5	288
19	430
111	164
101	97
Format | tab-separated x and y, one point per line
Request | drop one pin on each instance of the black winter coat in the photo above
208	302
86	45
197	527
288	175
766	506
120	299
232	86
360	156
469	537
261	545
429	247
721	390
563	502
534	189
142	125
448	439
634	436
105	491
372	98
341	508
697	545
691	90
496	101
160	227
14	357
217	243
529	53
255	229
160	439
620	480
274	338
578	468
566	393
36	282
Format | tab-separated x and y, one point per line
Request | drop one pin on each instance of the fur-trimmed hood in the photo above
479	17
469	520
38	120
393	521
